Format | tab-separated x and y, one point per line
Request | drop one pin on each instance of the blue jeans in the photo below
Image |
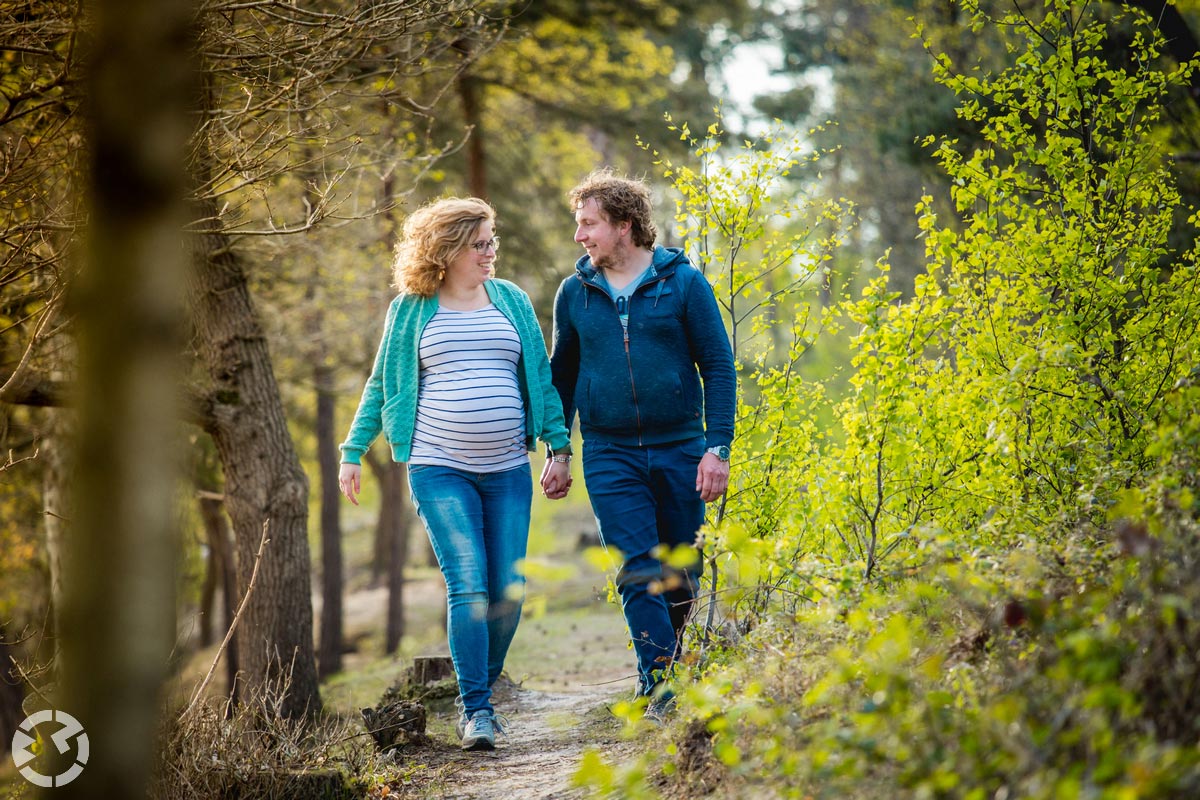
478	524
643	497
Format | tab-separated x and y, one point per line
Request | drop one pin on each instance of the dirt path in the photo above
569	663
549	732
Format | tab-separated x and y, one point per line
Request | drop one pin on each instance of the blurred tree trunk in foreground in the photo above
118	623
12	693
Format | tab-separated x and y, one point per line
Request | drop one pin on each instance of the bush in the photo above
972	574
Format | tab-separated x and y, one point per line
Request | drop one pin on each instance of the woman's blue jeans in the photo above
478	524
643	497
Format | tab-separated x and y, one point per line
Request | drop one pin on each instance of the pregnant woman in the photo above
461	389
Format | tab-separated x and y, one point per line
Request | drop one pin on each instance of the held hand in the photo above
712	477
350	481
556	479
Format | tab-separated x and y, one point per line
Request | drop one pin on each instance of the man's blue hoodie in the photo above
642	386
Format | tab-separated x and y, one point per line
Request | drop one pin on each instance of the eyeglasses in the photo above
482	247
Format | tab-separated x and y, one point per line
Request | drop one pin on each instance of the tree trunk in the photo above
54	515
118	620
395	515
264	483
431	669
399	519
468	96
391	529
330	655
208	590
12	693
397	561
224	572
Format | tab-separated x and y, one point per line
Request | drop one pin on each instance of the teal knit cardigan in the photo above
389	399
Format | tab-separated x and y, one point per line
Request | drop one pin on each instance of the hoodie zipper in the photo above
637	409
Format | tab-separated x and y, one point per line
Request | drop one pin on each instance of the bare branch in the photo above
262	546
17	381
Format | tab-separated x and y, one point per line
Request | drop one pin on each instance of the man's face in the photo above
603	240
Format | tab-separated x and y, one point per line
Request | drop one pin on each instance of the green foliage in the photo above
768	253
1072	316
978	579
1048	670
1048	693
569	65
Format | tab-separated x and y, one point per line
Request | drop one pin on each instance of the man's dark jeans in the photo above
643	497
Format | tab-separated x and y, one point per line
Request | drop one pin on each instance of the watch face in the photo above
721	452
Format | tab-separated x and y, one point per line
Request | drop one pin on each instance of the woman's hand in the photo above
556	479
350	481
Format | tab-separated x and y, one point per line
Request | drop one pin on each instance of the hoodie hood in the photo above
664	260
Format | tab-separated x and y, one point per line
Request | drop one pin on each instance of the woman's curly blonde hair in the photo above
432	236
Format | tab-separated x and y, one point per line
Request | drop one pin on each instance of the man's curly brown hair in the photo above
620	200
433	235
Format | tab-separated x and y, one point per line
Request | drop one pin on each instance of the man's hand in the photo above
556	479
712	477
350	481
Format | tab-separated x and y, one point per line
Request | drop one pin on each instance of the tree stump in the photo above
430	669
397	724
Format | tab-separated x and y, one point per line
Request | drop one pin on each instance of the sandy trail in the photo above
570	665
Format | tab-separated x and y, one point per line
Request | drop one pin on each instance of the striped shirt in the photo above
469	410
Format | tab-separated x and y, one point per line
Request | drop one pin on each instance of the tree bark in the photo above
395	515
264	483
384	524
330	654
208	593
398	520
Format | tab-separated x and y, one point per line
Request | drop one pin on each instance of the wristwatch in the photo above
721	452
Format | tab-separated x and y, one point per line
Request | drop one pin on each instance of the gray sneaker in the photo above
481	730
658	709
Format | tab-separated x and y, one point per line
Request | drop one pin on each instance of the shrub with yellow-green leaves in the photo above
1056	671
970	571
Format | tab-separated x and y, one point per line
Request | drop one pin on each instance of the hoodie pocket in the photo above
667	402
608	405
